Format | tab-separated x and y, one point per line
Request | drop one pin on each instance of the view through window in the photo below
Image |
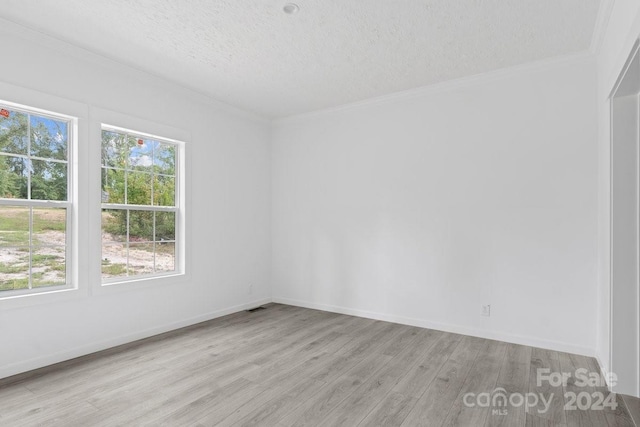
139	205
34	200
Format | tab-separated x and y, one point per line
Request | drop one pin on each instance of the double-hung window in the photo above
35	200
140	206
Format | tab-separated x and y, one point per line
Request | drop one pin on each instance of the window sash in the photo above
175	208
153	208
70	143
175	241
36	204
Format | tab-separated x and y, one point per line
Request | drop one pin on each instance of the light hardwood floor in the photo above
290	366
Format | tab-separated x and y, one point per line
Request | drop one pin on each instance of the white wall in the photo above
418	209
423	207
229	208
617	39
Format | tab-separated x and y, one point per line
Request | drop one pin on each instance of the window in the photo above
35	200
139	205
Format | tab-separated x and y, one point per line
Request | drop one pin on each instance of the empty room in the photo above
320	213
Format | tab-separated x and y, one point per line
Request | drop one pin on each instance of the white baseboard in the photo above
604	371
46	360
424	323
50	359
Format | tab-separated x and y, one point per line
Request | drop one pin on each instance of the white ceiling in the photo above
250	54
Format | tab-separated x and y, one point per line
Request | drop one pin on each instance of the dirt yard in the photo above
48	251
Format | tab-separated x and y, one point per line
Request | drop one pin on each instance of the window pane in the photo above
114	225
139	188
13	177
48	180
9	180
114	260
164	158
14	133
164	193
14	268
140	154
49	226
14	226
165	226
113	185
165	257
49	138
140	226
140	258
114	150
137	171
48	266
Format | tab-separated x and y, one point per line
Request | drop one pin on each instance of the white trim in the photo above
445	86
50	359
457	329
602	23
51	106
610	76
610	146
633	54
100	118
625	68
39	362
38	204
134	133
604	370
84	54
138	126
149	208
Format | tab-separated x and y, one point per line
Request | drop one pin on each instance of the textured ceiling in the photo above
250	54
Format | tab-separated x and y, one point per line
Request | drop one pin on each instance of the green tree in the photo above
48	140
13	140
144	174
8	180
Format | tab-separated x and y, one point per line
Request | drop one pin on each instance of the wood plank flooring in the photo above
290	366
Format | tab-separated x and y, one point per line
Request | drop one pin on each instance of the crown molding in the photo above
90	56
602	22
446	86
87	55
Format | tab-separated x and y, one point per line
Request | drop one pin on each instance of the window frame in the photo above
175	208
120	122
70	205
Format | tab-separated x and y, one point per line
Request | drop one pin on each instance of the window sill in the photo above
142	282
53	296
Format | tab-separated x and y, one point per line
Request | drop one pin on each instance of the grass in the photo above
13	219
52	262
14	224
14	232
14	269
23	283
113	269
14	284
56	266
38	258
43	224
14	238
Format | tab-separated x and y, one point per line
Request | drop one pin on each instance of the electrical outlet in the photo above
486	310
